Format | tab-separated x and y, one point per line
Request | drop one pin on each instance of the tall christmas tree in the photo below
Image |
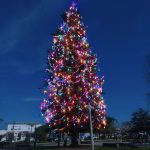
72	83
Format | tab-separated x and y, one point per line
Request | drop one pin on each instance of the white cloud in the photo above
16	38
32	99
16	29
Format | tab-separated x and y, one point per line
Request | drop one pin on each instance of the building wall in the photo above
3	132
22	127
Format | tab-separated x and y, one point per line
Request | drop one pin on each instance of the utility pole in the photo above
14	138
35	137
91	128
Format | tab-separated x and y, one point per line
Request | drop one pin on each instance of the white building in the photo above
3	132
22	127
19	130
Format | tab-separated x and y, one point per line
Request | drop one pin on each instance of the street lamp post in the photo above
91	128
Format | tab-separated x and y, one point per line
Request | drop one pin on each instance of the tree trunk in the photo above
74	139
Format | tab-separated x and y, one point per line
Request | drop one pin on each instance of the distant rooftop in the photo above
26	123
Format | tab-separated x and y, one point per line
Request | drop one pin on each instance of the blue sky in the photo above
119	32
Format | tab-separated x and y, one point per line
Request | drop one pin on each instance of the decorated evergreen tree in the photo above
72	83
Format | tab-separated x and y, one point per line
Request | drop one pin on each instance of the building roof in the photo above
24	123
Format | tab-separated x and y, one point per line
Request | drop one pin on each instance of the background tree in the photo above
147	61
125	130
126	127
140	121
147	75
111	127
1	120
42	133
72	82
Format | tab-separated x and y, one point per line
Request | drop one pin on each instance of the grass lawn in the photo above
101	148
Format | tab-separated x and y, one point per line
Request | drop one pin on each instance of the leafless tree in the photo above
147	76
